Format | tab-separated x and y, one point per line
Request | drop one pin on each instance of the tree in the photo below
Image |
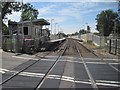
82	31
117	26
8	7
29	12
105	22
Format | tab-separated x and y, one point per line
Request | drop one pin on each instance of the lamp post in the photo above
51	25
86	25
55	30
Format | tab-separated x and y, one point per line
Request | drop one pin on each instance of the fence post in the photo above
116	47
109	46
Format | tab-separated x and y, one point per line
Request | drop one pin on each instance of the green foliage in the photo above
117	27
105	22
76	33
29	12
63	34
73	34
8	7
5	29
97	33
82	31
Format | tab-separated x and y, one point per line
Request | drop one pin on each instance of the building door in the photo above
25	30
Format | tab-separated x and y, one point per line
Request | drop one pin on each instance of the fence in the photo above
6	43
10	43
114	46
111	45
97	40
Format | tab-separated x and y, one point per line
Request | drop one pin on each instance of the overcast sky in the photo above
70	16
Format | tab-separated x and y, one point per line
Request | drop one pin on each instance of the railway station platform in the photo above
50	45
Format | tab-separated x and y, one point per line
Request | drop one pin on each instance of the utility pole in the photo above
17	34
1	24
119	10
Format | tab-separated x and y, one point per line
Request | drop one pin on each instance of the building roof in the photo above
36	22
12	23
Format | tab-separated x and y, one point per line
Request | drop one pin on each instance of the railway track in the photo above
101	58
70	48
51	68
87	69
81	53
16	73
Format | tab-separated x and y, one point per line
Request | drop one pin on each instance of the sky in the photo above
70	16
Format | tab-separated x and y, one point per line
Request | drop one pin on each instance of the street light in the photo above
55	28
51	25
86	25
58	28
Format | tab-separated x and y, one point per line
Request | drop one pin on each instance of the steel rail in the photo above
48	72
86	68
101	58
18	72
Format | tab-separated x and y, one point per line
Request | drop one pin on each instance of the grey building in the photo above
28	30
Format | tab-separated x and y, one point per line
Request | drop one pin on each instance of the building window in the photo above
25	30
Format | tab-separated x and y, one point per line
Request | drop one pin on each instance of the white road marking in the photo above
1	50
96	62
100	59
31	74
75	61
114	63
91	58
6	70
24	58
65	78
50	56
111	59
68	60
105	81
48	60
106	84
2	72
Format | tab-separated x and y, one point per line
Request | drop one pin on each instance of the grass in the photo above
92	45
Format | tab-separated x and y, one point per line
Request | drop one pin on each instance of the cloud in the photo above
15	16
76	10
59	19
69	12
46	10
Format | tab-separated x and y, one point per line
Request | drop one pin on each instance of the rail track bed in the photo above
72	66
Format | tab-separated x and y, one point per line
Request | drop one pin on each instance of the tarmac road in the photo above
69	72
